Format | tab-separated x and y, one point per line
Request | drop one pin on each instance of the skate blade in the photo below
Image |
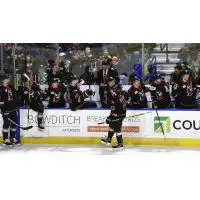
7	146
17	144
105	143
118	148
41	129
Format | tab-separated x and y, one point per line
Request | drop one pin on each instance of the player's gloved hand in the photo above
5	114
108	120
90	92
152	88
175	86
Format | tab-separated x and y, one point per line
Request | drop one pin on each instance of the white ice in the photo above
80	172
98	149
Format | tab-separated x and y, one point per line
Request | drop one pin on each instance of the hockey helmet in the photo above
6	82
184	64
158	80
111	81
55	83
186	74
135	79
74	80
51	62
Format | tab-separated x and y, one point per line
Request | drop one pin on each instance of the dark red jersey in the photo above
161	96
75	97
56	96
8	98
185	92
117	100
138	97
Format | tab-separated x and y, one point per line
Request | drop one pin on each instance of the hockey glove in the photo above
108	120
5	114
90	92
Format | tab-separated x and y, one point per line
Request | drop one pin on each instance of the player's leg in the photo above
117	130
108	140
6	124
39	108
40	118
13	128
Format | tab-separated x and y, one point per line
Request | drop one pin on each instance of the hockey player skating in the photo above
9	105
30	94
185	91
137	94
117	101
77	98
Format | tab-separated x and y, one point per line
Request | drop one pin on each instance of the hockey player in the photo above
56	95
8	105
54	74
137	94
117	100
77	98
160	93
185	91
30	94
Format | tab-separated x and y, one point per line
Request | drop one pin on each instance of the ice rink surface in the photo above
97	149
96	172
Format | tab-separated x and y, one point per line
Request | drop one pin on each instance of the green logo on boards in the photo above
165	121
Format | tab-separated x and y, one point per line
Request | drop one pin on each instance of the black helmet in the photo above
109	79
184	62
73	77
186	71
158	79
135	78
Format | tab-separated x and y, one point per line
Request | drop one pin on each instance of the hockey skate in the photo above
106	141
118	145
15	141
7	142
41	127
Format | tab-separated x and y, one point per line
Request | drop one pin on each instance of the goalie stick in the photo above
127	117
23	128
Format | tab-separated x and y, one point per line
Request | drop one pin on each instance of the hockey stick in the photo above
23	128
29	91
160	123
127	117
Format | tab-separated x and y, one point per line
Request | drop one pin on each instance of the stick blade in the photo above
27	128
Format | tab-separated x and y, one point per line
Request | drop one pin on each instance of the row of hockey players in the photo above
10	100
183	91
31	96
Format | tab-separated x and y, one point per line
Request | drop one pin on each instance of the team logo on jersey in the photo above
165	121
